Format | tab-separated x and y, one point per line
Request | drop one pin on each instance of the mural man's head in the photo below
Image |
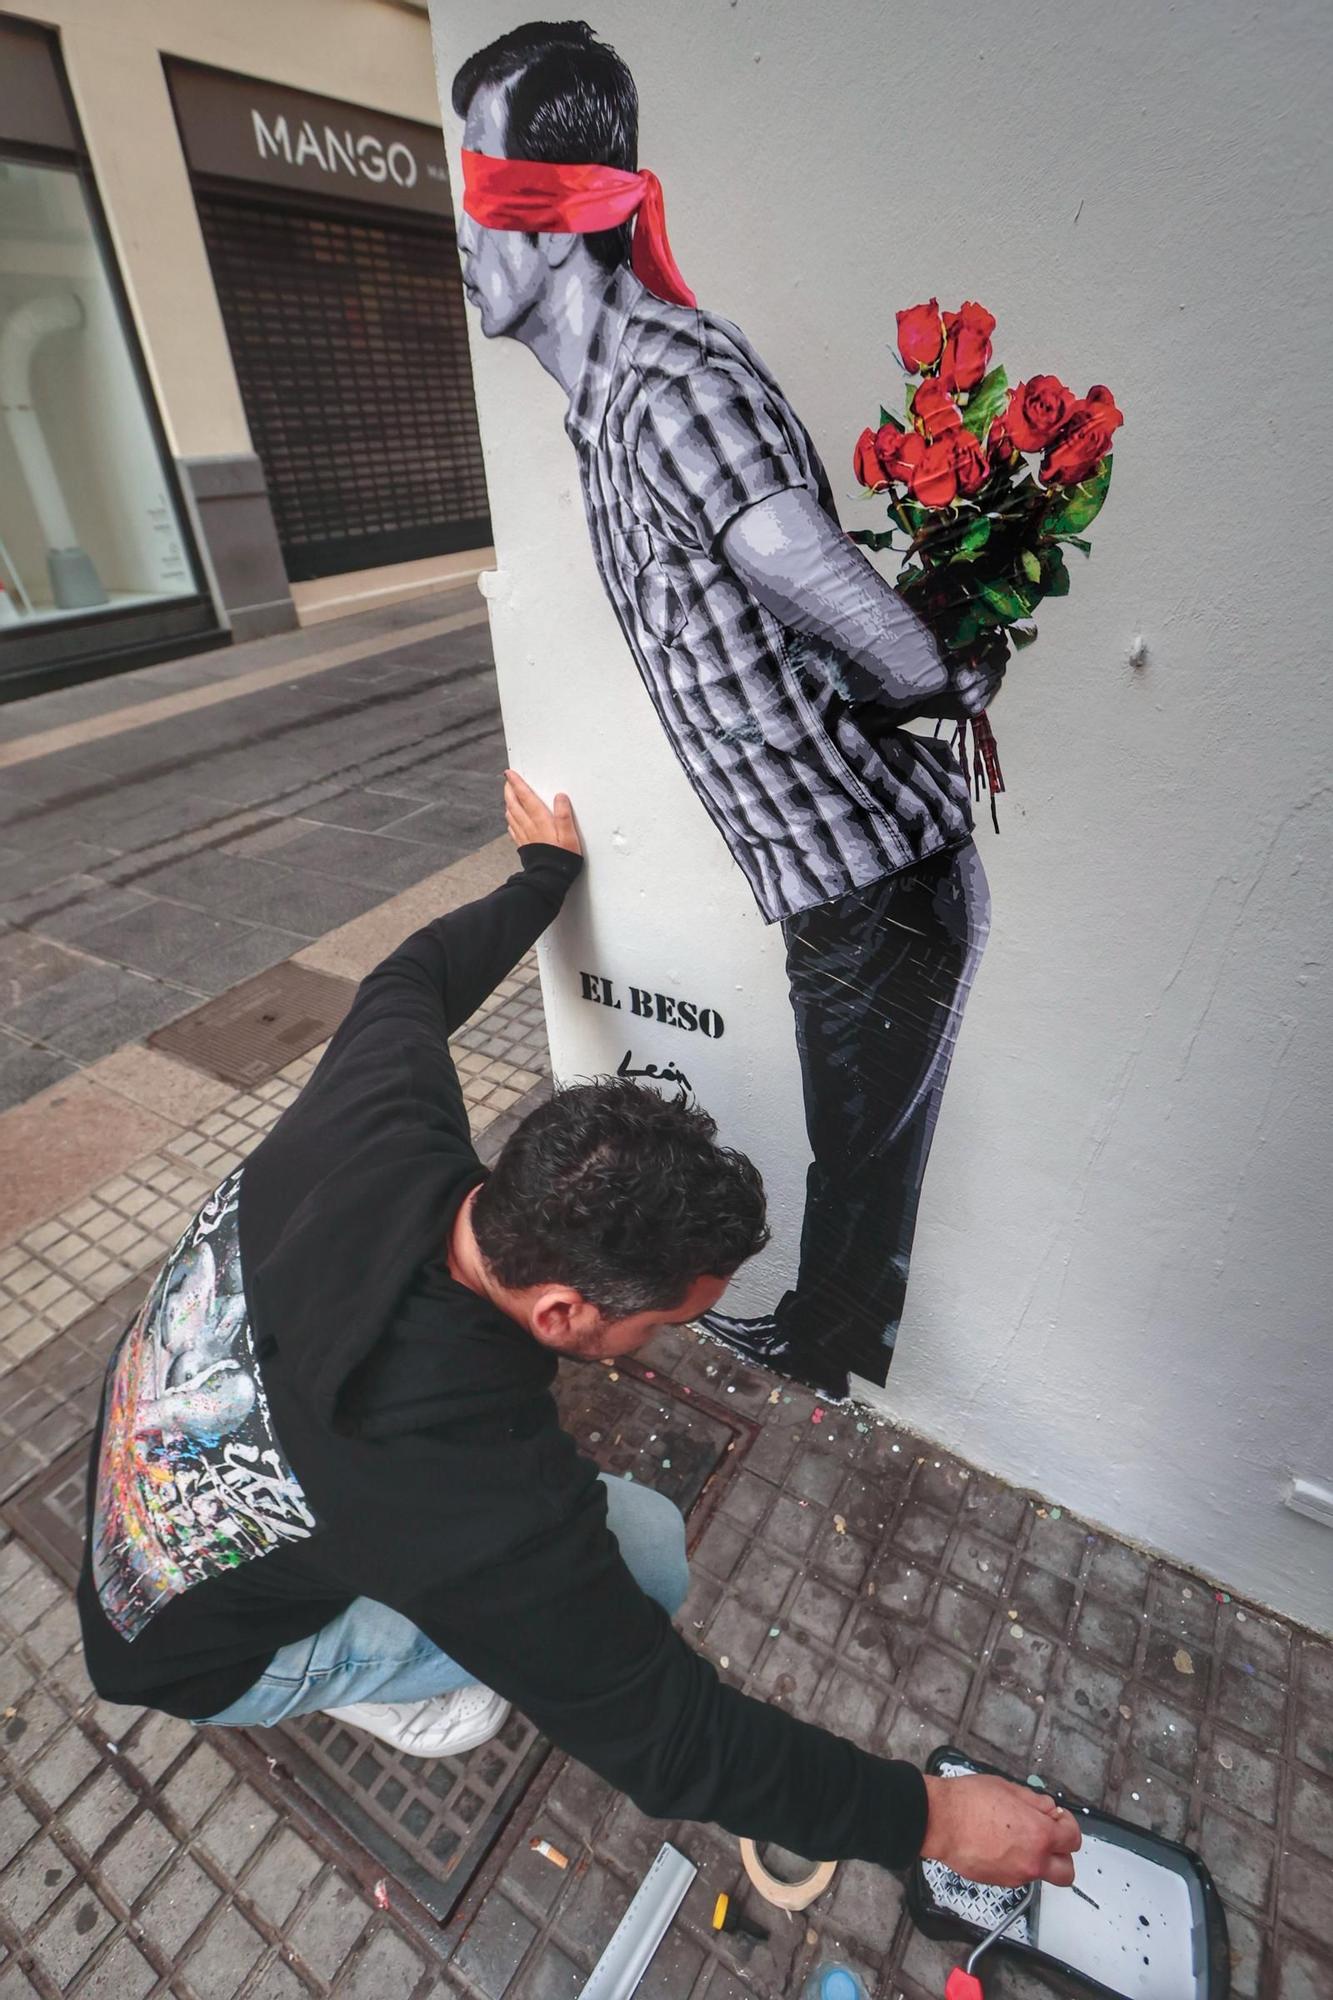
549	91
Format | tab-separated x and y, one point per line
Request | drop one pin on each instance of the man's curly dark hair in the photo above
621	1193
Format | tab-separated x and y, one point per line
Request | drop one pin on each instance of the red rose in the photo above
954	463
1084	440
901	454
999	444
1036	410
920	336
934	411
866	463
966	346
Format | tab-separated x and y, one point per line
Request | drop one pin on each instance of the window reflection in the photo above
87	520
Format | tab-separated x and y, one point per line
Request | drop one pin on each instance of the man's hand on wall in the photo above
531	820
989	1830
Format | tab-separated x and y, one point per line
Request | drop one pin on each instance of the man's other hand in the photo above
989	1830
531	820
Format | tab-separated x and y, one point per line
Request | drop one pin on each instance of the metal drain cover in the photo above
247	1035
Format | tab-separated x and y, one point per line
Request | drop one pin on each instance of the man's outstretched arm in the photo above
458	961
792	555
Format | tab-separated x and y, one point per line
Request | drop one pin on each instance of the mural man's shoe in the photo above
762	1341
445	1726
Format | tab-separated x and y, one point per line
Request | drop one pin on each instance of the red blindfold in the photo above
534	195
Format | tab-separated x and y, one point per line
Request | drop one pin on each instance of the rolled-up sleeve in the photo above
710	444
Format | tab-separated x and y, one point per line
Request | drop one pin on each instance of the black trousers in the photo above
879	980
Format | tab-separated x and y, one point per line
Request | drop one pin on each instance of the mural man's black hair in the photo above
571	101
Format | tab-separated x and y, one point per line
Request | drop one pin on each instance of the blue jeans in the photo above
370	1653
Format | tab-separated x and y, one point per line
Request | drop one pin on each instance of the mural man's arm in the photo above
790	553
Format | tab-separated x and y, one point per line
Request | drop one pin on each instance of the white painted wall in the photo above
1123	1273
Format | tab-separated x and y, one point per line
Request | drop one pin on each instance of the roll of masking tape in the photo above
785	1895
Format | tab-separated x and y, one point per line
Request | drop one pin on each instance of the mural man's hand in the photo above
531	820
989	1830
975	682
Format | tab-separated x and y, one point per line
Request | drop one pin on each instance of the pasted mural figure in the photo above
781	666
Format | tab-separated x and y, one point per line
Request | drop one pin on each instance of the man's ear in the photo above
557	246
562	1319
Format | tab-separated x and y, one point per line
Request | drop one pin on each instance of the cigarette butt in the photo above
549	1853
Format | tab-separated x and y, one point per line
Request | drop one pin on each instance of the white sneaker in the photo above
445	1726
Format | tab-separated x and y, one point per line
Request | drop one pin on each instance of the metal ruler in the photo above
642	1928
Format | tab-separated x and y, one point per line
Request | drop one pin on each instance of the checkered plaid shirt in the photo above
679	427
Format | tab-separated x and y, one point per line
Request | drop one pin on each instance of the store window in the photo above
98	570
87	520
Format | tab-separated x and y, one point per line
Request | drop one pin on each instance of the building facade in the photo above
233	356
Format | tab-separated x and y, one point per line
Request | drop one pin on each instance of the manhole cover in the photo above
248	1034
429	1825
48	1513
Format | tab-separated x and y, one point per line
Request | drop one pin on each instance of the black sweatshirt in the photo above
411	1446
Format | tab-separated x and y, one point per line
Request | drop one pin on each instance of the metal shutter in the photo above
348	334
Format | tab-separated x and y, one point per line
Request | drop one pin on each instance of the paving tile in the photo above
939	1683
178	1905
235	1828
287	899
1302	1973
200	1780
31	1884
279	1877
493	1947
25	1071
1057	1545
65	1944
1106	1630
1305	1895
229	1950
329	1925
1243	1776
1311	1816
141	1853
386	1968
1239	1856
1120	1573
122	1973
97	1812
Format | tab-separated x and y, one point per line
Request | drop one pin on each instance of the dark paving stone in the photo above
1057	1545
164	938
1042	1598
329	1925
26	1071
1240	1858
1112	1633
1311	1816
493	1946
31	965
1302	1973
46	860
380	860
1120	1573
145	1005
78	905
309	904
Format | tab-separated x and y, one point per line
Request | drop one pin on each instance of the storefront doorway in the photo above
331	239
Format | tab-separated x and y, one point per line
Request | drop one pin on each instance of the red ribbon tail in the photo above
650	254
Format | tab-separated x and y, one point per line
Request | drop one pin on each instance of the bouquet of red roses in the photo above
982	530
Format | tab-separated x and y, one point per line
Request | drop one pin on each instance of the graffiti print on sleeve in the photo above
191	1480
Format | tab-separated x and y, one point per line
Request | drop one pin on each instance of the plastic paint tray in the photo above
1158	1931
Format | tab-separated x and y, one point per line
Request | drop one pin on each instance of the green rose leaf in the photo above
1054	575
1031	566
887	417
1023	633
1007	602
1076	507
986	401
868	539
